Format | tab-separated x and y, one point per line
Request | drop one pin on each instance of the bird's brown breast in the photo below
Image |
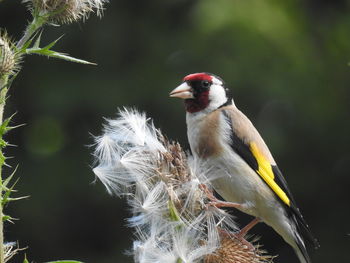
208	142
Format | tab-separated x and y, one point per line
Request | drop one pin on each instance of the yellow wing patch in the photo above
266	173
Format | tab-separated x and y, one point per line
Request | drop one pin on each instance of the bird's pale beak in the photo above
183	91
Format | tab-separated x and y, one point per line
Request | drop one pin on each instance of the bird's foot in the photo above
216	202
243	232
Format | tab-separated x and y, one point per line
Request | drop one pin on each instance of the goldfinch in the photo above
243	170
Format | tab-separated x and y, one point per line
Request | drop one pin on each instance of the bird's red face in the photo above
200	91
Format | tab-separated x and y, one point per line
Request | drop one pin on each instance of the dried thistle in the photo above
66	11
11	249
164	188
234	250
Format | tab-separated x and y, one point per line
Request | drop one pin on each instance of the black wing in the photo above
244	151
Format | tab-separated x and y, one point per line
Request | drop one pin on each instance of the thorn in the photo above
7	165
15	127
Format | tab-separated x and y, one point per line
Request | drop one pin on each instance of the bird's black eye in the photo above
205	84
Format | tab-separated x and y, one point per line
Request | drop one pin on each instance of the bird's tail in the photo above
291	234
300	227
300	250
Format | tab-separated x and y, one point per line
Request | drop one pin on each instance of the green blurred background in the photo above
286	62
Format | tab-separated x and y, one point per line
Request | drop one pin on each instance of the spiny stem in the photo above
38	21
3	92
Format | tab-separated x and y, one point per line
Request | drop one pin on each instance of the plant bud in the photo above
9	60
67	11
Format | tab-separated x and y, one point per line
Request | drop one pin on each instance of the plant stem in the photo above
38	21
3	92
173	213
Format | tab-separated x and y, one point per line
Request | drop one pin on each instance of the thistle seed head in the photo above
9	58
233	250
67	11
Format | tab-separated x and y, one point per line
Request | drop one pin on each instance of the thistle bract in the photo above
9	60
66	11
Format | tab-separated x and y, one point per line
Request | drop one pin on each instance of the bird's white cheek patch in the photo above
217	96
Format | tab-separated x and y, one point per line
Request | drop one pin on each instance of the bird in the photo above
242	168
